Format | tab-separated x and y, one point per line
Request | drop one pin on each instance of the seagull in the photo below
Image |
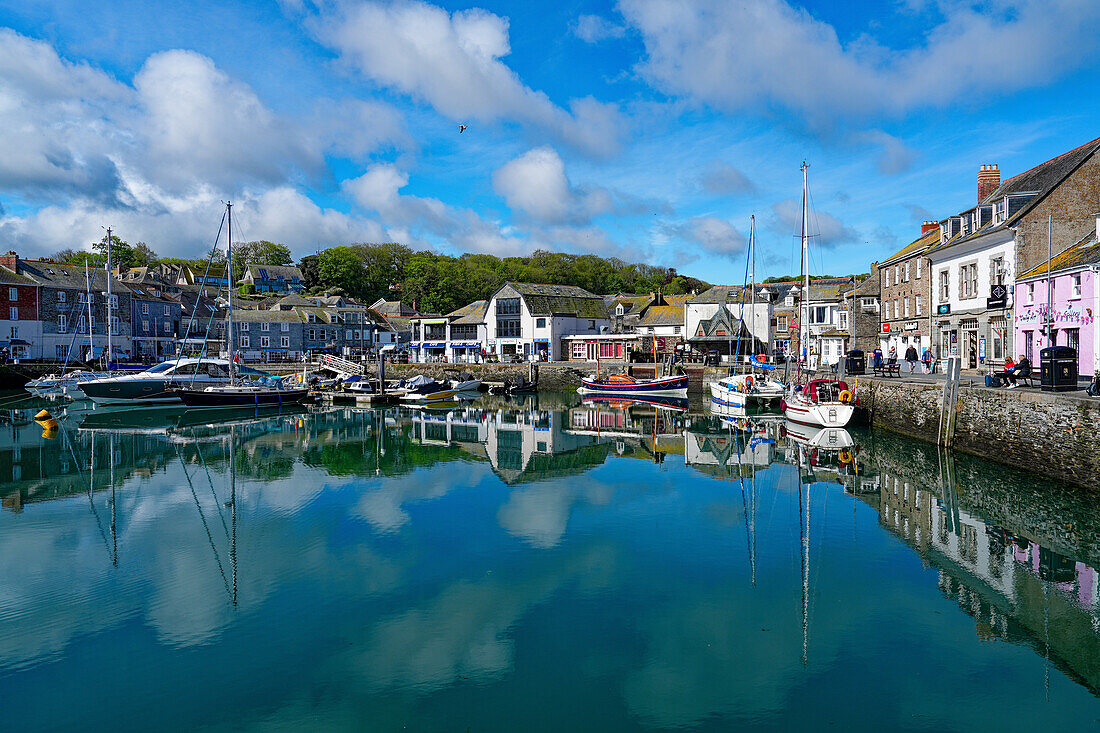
462	128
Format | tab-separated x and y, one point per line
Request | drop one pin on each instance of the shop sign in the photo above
998	297
886	328
944	309
910	326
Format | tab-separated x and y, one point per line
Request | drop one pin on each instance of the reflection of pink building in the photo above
1076	305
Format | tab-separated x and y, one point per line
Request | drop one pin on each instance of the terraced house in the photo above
983	249
20	329
156	322
905	287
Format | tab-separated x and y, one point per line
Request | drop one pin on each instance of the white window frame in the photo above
265	342
917	304
265	326
284	327
145	325
60	296
144	309
1030	294
284	342
918	267
1075	286
13	313
62	323
244	326
13	293
243	341
906	306
167	328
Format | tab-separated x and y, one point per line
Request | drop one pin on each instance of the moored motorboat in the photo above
158	384
626	385
825	402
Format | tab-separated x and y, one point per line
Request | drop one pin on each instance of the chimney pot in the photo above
928	226
989	178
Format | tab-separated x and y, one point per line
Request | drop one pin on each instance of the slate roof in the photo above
257	316
293	301
146	292
1040	180
7	277
545	300
1085	252
392	308
870	287
472	313
289	272
70	277
663	315
630	303
921	244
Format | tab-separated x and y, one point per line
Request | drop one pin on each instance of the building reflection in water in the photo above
1017	556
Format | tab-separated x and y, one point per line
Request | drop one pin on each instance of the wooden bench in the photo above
888	369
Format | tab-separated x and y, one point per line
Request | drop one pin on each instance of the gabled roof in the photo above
71	277
545	300
390	308
272	272
630	303
472	313
7	277
663	315
257	316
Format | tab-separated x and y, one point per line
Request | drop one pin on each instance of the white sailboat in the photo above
755	387
825	402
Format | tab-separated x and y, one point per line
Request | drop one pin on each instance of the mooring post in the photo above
946	431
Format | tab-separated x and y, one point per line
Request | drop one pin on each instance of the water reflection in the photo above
631	564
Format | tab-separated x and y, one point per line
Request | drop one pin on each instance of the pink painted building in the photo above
1076	305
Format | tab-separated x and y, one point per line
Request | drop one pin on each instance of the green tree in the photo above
343	267
311	274
143	255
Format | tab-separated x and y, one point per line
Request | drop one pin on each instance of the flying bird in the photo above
462	128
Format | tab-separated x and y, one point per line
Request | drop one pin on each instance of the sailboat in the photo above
754	388
829	403
263	391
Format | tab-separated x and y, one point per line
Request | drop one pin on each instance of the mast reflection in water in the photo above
540	564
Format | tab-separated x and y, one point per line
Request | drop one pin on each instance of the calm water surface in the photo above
541	565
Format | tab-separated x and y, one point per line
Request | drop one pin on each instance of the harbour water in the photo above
537	564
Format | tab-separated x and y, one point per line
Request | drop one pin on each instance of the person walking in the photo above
911	357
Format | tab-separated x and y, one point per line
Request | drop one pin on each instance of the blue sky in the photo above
645	130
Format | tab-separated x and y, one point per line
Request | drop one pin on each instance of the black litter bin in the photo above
855	362
1058	369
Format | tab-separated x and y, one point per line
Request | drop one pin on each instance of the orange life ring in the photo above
748	381
846	396
845	456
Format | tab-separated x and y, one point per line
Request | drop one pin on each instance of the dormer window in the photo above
619	309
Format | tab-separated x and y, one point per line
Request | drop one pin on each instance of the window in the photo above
540	323
144	309
167	328
62	351
906	306
508	328
13	314
243	340
80	297
868	304
347	334
676	330
244	327
508	307
945	294
1030	293
780	323
917	303
906	279
579	350
115	325
60	296
167	312
619	309
1073	338
918	267
284	342
591	324
886	274
265	326
897	274
997	271
145	325
13	293
265	341
1075	290
80	324
843	320
284	326
886	311
62	324
15	332
114	302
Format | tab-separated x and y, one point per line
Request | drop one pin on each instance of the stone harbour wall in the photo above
1055	434
551	378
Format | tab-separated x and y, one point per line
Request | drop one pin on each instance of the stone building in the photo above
20	328
862	304
156	322
716	320
905	293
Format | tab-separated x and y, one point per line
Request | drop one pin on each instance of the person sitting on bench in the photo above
1021	370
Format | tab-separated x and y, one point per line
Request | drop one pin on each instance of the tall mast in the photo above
804	310
752	281
108	298
229	279
88	309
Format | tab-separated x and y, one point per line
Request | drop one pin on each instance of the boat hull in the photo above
242	398
722	396
446	394
667	387
823	414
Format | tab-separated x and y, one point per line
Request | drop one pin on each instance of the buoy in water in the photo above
43	415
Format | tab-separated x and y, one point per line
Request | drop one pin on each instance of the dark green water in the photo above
534	566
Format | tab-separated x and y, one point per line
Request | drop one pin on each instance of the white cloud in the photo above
723	179
894	156
595	28
766	52
453	62
712	234
827	230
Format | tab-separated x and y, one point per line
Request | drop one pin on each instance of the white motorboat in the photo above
158	384
746	390
68	384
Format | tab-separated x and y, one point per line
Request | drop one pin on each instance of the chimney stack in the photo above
928	226
989	178
10	261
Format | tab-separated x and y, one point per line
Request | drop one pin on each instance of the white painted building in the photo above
705	331
528	321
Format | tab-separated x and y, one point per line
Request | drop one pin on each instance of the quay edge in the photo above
1054	434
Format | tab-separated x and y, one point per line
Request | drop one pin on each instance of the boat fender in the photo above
846	396
43	415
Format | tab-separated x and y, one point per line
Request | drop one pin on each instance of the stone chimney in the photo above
10	261
989	177
928	226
